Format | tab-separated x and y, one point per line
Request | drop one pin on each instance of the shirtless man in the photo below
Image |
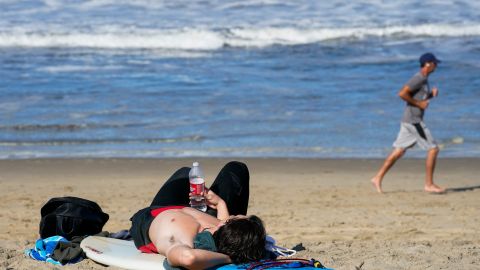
417	94
169	227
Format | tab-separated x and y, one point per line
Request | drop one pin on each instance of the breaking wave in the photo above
208	39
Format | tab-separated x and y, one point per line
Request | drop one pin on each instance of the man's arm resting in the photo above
222	211
215	202
193	259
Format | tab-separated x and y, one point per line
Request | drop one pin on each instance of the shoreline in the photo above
89	168
328	205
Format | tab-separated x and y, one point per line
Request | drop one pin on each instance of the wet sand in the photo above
328	205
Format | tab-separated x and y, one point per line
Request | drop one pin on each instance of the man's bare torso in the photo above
179	227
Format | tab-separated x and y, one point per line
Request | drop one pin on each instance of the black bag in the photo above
70	217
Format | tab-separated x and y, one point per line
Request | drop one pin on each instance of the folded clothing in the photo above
57	250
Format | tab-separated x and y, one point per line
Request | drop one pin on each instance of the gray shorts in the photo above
411	134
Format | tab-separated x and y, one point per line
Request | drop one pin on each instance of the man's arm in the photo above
193	259
406	95
434	92
214	201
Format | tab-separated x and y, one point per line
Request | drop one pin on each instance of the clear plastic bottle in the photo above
197	186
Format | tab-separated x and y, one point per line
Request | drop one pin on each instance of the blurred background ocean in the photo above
231	78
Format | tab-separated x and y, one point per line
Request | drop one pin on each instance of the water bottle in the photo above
197	186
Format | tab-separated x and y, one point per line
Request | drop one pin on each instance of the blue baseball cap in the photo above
428	58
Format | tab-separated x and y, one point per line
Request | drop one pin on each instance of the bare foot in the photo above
434	189
377	184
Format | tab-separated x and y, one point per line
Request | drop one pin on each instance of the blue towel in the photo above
44	249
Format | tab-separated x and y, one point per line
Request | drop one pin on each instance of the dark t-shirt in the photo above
420	90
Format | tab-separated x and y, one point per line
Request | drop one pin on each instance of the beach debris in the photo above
298	247
457	140
359	267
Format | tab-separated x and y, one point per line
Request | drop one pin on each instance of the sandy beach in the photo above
328	205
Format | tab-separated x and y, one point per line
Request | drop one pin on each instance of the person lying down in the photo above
193	239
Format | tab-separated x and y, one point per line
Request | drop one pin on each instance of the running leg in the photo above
396	154
430	168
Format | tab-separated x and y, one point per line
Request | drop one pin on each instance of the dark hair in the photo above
242	239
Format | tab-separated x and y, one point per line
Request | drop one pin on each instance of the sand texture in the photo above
327	205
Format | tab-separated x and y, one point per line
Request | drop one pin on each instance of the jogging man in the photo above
417	94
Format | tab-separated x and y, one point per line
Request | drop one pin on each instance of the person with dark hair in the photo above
242	239
193	239
417	94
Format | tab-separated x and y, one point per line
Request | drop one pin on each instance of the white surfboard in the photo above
120	253
124	254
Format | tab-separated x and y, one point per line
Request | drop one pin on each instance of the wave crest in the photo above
209	39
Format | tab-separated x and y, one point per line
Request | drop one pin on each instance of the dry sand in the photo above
327	205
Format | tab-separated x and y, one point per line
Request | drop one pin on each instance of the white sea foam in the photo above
251	3
183	39
74	68
13	106
205	39
10	106
294	36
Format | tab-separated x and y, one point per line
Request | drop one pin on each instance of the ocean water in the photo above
231	78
